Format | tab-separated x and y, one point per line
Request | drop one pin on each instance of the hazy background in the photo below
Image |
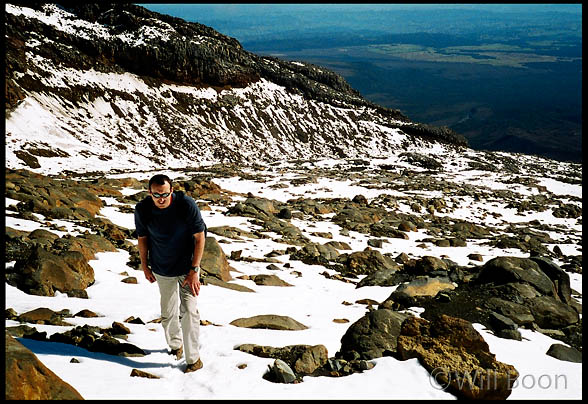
507	77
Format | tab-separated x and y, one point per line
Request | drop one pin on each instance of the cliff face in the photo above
121	78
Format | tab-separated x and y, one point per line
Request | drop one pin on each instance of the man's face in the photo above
158	193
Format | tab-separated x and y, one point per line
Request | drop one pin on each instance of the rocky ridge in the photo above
159	89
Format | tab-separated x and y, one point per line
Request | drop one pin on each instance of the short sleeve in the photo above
140	227
195	220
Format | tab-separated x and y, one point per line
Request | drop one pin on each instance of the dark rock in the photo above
565	353
558	276
551	313
285	213
372	336
502	270
366	262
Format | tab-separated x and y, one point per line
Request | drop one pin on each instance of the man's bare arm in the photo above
143	248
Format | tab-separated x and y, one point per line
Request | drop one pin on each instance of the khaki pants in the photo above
179	315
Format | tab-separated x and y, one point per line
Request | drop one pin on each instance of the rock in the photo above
282	373
210	280
360	200
43	273
269	321
366	262
303	359
558	276
519	313
268	280
24	331
565	353
428	264
476	257
372	336
551	313
384	277
86	313
86	337
457	357
407	225
504	327
314	253
422	286
377	243
140	373
214	261
503	270
338	245
26	378
285	213
42	315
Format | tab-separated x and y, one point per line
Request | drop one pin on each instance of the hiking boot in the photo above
194	366
177	353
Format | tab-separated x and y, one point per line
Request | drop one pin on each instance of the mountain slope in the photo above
124	88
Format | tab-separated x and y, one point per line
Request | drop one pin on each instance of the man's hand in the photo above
193	282
149	275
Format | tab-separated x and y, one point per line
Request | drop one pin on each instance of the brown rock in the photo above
214	261
27	378
140	373
457	357
269	321
44	272
268	280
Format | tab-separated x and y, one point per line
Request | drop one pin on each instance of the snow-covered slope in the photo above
72	109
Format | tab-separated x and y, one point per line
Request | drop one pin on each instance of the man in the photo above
171	235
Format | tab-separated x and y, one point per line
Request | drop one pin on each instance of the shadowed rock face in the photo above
27	378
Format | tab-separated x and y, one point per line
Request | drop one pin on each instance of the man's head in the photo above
160	189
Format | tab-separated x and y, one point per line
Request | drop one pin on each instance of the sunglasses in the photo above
156	195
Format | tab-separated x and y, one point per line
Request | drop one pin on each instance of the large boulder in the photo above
26	378
366	262
214	261
372	336
43	273
558	276
501	270
457	357
551	313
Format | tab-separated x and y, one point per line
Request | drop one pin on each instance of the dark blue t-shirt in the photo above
170	235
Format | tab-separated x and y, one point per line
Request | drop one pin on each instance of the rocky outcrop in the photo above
26	378
160	50
457	357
